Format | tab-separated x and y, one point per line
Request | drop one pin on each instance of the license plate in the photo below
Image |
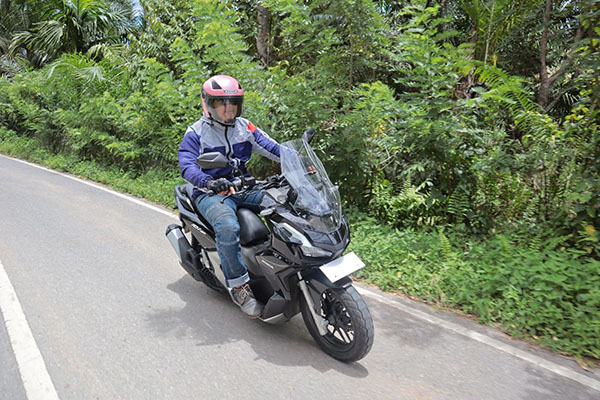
343	266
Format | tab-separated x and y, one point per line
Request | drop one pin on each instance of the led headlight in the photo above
292	235
312	251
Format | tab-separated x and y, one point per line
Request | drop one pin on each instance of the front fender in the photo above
317	282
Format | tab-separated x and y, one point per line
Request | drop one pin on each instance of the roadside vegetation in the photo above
463	134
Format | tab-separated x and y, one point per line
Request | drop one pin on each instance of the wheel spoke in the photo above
345	336
345	320
336	333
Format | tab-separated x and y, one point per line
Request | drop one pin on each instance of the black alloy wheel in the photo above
349	327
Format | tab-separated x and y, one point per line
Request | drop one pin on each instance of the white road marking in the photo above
498	345
36	380
539	361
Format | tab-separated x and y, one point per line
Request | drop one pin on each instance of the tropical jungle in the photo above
463	134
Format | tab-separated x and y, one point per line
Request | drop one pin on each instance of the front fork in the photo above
320	322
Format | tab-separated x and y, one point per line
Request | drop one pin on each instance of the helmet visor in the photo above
224	109
224	101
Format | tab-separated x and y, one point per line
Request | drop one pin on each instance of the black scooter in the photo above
293	250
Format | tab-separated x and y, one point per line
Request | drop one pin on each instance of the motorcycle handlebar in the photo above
250	183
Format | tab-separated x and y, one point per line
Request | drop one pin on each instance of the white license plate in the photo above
343	266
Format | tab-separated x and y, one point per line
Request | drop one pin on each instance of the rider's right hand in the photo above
220	186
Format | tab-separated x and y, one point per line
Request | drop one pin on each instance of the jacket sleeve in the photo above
263	144
187	153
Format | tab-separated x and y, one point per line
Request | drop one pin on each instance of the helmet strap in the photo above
222	124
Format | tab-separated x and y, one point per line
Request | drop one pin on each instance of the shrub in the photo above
546	291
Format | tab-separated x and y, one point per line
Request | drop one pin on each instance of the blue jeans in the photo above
222	217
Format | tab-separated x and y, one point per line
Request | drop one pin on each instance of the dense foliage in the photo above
533	290
469	128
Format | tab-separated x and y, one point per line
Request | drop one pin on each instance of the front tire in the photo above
350	330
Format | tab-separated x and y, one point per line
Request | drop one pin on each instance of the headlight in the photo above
312	251
292	235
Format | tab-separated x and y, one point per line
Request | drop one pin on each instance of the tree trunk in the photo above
546	81
264	33
462	89
429	4
351	82
544	78
489	34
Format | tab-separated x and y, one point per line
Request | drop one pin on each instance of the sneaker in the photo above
244	298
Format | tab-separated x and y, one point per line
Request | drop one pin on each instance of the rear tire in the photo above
350	326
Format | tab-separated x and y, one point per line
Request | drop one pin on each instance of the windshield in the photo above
314	195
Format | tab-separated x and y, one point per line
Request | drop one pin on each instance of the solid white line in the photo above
540	362
35	377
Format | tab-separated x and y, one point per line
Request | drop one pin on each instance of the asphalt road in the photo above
115	317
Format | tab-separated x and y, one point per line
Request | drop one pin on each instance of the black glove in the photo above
219	185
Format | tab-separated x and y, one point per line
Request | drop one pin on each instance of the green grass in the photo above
543	291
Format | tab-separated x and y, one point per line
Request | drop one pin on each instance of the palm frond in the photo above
74	26
101	50
510	90
10	66
80	65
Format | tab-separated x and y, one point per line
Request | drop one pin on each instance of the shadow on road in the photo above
212	319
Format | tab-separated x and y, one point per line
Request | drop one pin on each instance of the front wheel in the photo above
350	331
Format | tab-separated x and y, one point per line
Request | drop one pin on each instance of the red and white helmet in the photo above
224	89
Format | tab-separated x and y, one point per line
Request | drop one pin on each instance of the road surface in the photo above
112	315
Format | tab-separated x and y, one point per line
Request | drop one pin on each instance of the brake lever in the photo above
226	197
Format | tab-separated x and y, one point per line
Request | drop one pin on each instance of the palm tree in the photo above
73	26
15	16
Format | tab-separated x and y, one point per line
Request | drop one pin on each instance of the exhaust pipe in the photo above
188	258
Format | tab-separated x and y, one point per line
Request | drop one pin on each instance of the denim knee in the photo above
227	228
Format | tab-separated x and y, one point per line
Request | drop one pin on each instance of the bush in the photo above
547	292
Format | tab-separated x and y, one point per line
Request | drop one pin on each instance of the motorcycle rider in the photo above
222	129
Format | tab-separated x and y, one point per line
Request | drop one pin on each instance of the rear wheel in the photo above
350	330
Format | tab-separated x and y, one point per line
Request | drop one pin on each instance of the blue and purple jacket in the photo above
237	142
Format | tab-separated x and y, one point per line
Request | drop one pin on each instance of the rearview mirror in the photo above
308	135
212	160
